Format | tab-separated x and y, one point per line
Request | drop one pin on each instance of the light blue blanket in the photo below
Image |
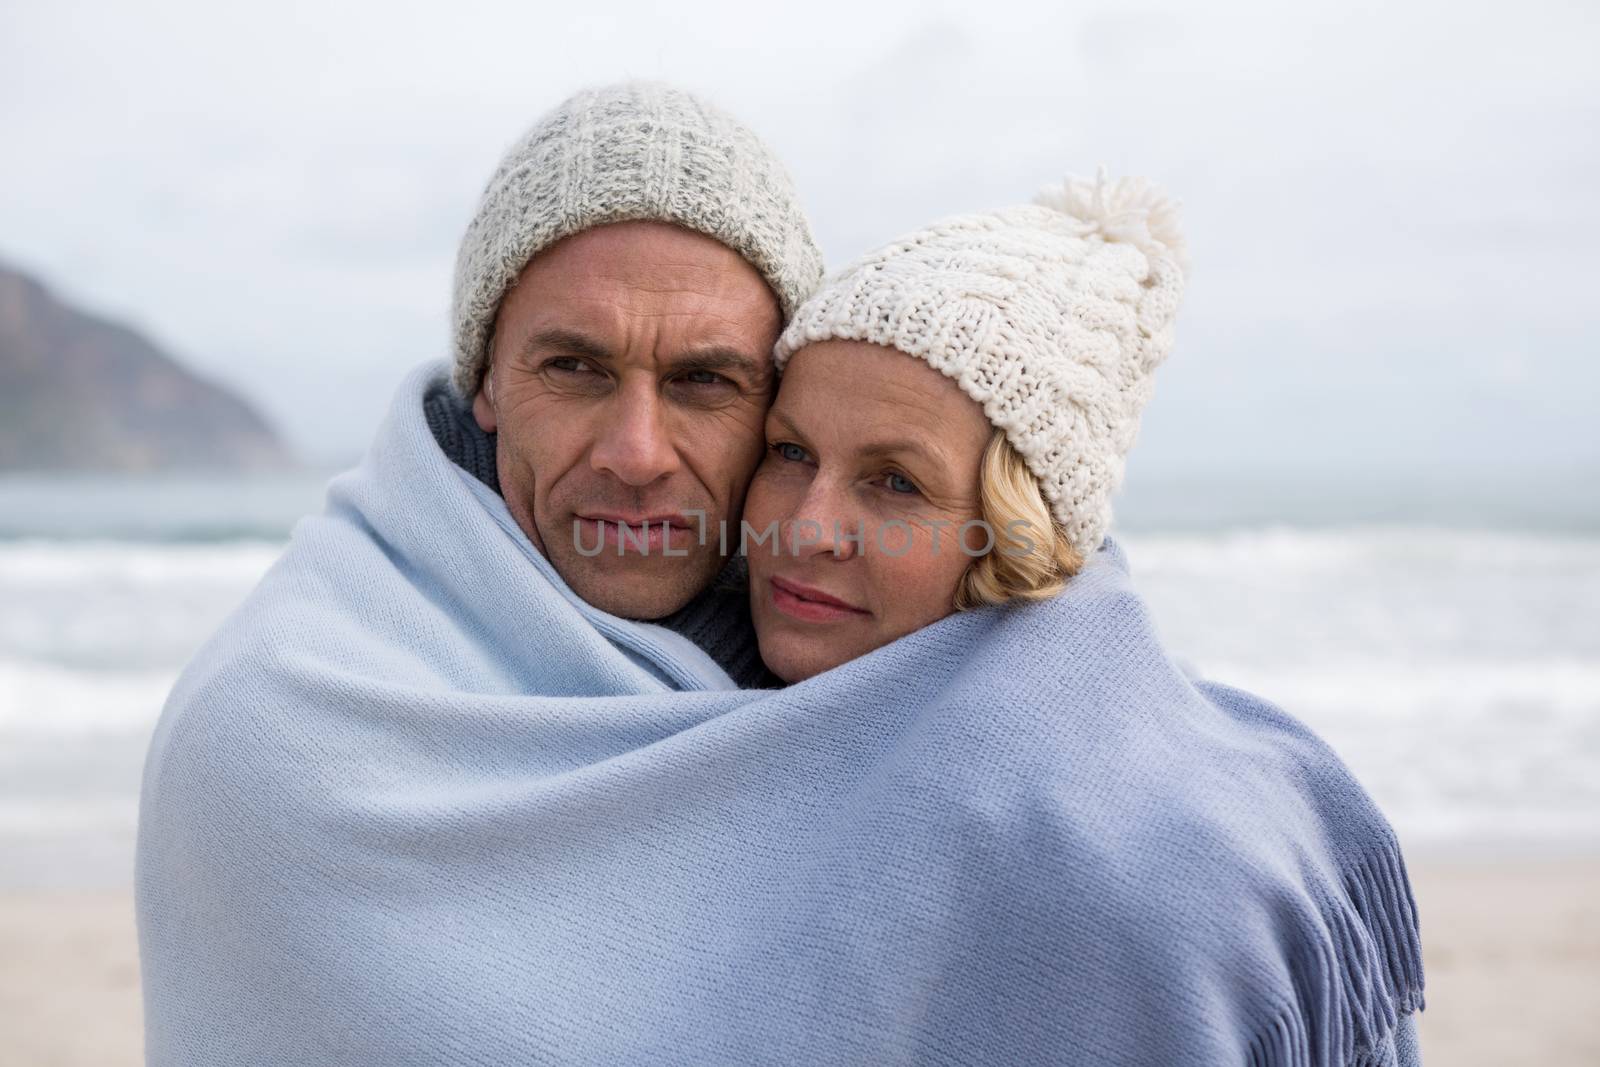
415	804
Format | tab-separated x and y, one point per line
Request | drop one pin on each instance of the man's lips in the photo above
617	533
621	518
809	604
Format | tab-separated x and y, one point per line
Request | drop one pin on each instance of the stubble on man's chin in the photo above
630	587
643	589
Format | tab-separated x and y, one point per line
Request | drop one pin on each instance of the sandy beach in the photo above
1512	944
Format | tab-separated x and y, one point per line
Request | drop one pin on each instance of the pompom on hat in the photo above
1052	315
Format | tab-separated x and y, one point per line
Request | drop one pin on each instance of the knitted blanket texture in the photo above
416	803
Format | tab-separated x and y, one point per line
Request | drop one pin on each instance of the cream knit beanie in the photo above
627	152
1052	315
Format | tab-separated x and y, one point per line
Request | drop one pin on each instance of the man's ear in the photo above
483	404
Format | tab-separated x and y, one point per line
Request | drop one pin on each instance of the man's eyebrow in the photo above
720	358
715	357
567	341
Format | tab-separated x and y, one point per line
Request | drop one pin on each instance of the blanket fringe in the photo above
1361	971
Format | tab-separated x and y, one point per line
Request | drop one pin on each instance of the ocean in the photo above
1449	652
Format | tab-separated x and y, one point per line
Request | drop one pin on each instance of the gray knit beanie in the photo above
1052	315
628	152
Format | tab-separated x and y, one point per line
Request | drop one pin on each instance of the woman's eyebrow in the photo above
872	449
900	446
788	423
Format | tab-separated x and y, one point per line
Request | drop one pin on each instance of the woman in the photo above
1033	335
954	414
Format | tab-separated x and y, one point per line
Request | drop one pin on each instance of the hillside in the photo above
82	393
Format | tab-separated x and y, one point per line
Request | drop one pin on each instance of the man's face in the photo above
630	374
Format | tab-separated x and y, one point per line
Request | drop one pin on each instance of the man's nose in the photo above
633	443
824	523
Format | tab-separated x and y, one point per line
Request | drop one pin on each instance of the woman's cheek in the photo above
920	585
763	503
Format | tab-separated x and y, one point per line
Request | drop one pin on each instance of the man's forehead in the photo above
652	270
590	299
660	254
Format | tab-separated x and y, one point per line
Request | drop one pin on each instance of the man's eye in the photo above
570	364
703	377
791	452
899	483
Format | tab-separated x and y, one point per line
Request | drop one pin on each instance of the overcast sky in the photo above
1391	209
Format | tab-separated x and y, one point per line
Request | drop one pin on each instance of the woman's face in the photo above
871	469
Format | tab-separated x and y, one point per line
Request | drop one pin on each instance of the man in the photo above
538	526
617	298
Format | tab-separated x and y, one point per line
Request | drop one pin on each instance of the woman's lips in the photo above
810	605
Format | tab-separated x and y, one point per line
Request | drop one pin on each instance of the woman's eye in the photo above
791	452
899	483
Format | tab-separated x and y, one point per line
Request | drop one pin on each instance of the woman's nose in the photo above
633	443
823	524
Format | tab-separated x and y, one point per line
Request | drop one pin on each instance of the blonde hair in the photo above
1030	557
